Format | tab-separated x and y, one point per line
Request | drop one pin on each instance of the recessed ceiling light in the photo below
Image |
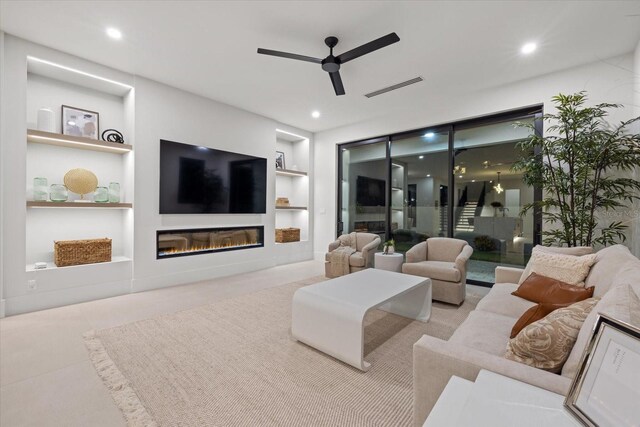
429	135
428	175
421	157
114	33
528	48
460	176
473	180
315	114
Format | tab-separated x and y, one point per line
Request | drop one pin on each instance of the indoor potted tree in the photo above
585	167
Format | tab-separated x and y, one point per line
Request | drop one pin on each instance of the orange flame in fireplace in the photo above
226	243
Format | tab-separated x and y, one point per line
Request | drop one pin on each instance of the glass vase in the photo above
58	193
114	192
40	189
101	195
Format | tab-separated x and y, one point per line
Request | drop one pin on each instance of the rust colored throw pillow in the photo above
541	289
534	314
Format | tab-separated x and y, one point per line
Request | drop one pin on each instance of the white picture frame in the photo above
80	122
605	391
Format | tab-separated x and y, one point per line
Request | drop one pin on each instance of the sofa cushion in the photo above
534	314
438	270
622	303
484	331
356	259
567	268
575	251
605	271
444	249
500	301
546	344
541	289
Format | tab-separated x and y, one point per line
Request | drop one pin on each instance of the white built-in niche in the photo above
292	182
50	155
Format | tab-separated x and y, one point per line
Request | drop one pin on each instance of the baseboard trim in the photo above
192	276
61	297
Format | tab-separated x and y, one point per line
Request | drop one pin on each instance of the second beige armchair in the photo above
444	261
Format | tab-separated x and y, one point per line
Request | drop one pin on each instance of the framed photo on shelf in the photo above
605	392
280	160
80	122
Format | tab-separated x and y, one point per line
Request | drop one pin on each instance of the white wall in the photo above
609	80
156	112
163	112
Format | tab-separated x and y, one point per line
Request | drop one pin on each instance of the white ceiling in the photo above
209	48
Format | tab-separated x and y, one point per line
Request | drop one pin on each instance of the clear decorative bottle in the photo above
114	192
40	189
58	193
101	195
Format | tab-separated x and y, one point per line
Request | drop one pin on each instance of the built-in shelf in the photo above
289	172
52	266
91	205
50	138
291	208
397	209
289	243
396	188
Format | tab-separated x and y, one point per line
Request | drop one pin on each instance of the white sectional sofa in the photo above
480	342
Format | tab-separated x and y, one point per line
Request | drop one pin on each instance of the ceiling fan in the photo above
331	64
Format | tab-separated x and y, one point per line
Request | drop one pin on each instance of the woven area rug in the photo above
234	363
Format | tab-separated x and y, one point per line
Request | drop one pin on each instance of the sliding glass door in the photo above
452	180
419	187
363	188
489	197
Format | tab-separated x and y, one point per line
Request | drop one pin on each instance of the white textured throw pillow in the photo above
566	268
574	251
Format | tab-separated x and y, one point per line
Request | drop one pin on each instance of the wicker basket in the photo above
282	202
76	252
286	235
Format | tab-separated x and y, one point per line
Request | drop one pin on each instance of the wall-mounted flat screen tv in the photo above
370	191
203	180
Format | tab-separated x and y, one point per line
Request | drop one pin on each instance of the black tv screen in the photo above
202	180
370	191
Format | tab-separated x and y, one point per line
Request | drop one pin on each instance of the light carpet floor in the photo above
234	363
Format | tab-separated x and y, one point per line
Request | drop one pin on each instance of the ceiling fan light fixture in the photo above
331	64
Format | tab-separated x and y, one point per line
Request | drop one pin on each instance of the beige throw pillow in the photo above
547	343
566	268
622	303
574	251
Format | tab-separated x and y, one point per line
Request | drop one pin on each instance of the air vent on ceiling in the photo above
394	87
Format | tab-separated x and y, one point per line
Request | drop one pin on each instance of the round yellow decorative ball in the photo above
81	181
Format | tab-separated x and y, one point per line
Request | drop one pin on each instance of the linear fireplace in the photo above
174	243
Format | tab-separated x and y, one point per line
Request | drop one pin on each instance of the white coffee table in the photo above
329	315
389	262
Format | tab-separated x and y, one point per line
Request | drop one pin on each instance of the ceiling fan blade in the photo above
368	47
336	80
289	55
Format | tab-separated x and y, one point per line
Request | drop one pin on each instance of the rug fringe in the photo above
121	391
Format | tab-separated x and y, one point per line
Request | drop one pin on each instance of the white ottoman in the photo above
390	262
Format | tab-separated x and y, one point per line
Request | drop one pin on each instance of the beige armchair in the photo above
364	244
444	261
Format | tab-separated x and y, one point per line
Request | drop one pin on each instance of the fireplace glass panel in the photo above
172	243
